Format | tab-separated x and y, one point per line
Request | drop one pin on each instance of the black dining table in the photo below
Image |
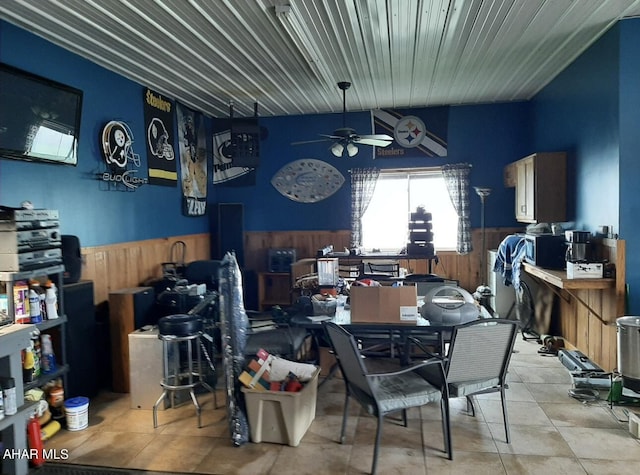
399	336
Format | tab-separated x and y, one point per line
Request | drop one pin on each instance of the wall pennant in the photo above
122	164
193	161
158	120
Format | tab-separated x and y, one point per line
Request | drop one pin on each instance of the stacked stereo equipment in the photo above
29	239
420	234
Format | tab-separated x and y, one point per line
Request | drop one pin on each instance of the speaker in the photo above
71	258
227	230
83	340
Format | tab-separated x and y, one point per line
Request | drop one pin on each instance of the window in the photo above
385	224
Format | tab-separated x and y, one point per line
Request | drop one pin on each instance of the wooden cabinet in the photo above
129	309
541	187
274	288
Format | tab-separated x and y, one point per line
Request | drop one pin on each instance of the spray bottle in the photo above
51	300
48	358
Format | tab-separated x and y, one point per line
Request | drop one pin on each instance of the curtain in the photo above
363	184
456	177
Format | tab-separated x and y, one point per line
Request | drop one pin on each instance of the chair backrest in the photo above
391	269
480	350
203	272
349	358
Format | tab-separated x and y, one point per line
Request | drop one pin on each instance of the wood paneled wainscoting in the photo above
589	307
123	265
118	266
451	265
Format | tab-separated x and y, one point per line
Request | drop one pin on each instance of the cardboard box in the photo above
328	362
302	267
384	304
580	270
281	417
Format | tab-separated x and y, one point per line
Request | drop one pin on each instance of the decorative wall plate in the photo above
307	180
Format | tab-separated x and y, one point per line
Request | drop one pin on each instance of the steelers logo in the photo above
409	131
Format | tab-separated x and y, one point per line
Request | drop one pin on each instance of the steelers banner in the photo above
193	161
158	121
416	132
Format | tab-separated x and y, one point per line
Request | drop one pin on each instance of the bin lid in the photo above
76	402
628	321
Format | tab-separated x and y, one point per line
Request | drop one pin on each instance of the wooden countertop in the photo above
558	278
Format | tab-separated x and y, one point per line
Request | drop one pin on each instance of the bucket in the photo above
77	413
628	329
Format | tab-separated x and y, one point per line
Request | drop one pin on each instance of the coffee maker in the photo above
578	246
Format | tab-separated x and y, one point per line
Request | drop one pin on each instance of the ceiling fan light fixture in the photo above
337	149
351	149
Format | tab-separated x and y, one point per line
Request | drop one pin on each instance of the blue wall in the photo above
488	137
592	109
96	217
629	154
578	113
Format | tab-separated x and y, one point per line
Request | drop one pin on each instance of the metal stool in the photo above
180	333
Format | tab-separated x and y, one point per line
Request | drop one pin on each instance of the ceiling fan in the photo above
346	138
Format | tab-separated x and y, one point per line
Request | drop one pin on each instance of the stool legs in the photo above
174	380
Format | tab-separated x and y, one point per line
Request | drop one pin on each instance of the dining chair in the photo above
381	394
477	360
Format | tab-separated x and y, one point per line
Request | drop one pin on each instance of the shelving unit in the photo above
13	429
13	339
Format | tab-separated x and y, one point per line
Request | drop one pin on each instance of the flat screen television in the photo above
39	118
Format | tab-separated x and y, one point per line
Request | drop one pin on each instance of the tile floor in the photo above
551	433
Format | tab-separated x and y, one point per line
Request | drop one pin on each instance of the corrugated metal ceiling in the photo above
288	55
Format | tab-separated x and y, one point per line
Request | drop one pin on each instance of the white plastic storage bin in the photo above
281	417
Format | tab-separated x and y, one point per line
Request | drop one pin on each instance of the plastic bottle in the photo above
10	399
1	405
55	398
28	365
48	362
34	306
37	353
51	300
39	289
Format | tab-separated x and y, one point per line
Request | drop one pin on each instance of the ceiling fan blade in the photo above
378	140
328	139
377	137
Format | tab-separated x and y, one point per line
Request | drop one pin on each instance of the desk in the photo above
557	280
345	259
589	307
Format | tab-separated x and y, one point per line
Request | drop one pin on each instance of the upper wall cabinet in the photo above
541	187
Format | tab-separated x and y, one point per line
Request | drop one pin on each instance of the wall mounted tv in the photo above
39	118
